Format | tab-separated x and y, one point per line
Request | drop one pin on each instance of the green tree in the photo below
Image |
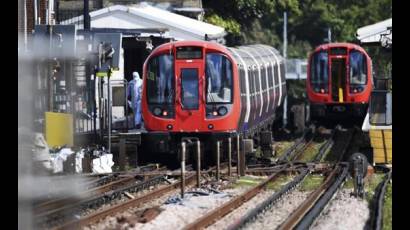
261	21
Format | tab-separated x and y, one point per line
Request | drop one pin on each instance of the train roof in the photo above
206	44
339	44
257	54
249	55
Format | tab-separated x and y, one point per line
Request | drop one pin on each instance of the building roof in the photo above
376	33
146	16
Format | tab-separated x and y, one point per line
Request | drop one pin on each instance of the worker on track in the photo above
134	96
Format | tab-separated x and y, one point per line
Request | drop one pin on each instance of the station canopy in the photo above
145	16
378	33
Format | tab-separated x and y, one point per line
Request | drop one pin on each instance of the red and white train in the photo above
339	80
205	90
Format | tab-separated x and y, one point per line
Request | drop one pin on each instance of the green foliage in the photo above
279	183
261	21
387	208
230	25
247	181
298	48
257	33
311	182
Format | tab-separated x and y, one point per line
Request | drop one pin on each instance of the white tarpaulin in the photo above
103	164
59	158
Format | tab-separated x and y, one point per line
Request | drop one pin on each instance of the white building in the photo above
135	47
146	16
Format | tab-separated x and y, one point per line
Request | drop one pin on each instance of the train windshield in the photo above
319	76
160	80
358	68
218	79
189	88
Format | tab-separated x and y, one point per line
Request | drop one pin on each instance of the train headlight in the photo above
357	89
169	127
210	126
222	111
322	90
157	111
215	113
164	113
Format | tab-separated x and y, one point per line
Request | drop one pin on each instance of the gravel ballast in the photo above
343	212
174	215
240	211
277	213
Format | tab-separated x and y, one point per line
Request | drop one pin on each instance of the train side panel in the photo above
263	85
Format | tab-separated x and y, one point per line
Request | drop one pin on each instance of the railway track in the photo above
108	182
118	208
292	153
64	216
378	203
299	147
226	208
267	203
309	210
59	202
69	211
304	171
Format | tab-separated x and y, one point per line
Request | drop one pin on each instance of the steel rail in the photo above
283	158
294	152
121	180
68	211
350	133
253	213
57	203
76	224
298	154
100	181
326	146
305	167
309	210
231	205
377	220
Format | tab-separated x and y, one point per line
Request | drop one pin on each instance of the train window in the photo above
358	68
160	80
189	88
218	79
319	76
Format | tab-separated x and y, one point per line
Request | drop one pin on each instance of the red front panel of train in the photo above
339	74
189	107
184	92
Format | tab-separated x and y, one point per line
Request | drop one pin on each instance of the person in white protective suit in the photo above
134	92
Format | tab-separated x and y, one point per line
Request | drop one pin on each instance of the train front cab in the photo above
190	91
339	80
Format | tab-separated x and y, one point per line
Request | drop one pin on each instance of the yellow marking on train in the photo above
340	95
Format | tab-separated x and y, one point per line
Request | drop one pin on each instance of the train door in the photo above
190	102
338	76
